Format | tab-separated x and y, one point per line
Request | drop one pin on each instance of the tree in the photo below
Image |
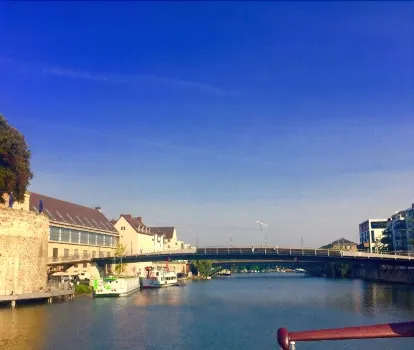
120	251
15	173
386	241
203	267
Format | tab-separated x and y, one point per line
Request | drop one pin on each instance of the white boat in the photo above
159	278
115	286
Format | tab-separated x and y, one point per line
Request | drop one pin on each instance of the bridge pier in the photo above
101	270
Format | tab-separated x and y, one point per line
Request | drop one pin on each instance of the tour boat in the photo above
115	286
159	278
287	340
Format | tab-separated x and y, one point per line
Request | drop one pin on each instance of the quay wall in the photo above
23	251
384	274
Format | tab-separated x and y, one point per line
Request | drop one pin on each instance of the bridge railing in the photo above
268	251
287	340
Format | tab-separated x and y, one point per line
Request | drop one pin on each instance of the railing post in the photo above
205	251
217	251
303	252
328	252
315	253
290	251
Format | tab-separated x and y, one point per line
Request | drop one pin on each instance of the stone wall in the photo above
23	251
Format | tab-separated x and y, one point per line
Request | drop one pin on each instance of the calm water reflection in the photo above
241	312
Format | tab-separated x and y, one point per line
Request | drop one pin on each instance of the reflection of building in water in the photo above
377	296
23	329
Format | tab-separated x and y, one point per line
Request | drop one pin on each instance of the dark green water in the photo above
241	312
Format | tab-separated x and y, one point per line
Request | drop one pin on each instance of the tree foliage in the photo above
386	241
15	173
120	251
203	267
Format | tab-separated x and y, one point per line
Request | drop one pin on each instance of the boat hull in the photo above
115	287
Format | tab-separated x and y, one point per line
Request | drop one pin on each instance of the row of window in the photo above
61	234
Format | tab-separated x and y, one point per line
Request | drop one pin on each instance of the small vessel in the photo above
159	278
115	286
300	270
224	273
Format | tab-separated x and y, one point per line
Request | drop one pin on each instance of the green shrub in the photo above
83	289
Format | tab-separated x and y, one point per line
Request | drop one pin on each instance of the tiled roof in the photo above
168	232
71	214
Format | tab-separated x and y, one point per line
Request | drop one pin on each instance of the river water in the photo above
239	312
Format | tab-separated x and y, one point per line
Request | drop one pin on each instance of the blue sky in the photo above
300	115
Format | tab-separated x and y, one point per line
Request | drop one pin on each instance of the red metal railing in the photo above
389	330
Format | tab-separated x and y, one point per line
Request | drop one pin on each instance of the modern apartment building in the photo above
371	232
401	224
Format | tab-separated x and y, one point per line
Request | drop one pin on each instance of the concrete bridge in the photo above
293	255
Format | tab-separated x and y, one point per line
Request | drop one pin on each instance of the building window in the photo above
93	253
372	236
54	233
93	239
85	265
55	253
84	237
76	253
100	240
101	254
65	234
85	253
108	254
65	253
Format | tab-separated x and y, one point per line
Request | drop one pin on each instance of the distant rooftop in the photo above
340	241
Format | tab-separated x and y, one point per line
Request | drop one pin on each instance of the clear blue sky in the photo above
300	115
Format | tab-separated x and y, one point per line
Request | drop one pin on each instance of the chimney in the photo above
99	209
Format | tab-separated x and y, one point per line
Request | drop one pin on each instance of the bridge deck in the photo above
252	253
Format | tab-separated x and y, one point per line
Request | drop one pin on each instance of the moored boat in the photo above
115	286
159	278
224	273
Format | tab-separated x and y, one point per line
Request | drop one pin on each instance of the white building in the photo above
371	232
137	238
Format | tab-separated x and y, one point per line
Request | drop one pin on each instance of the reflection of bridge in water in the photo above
293	255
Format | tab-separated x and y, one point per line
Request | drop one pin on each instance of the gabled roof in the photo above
137	224
340	241
71	214
168	232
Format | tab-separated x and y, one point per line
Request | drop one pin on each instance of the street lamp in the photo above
262	226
